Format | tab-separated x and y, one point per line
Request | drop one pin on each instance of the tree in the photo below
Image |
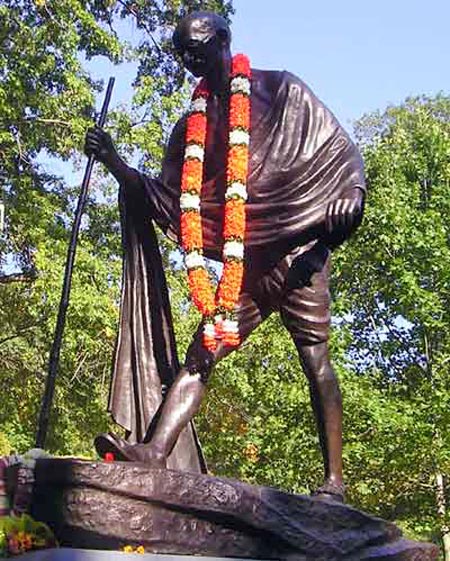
394	302
46	105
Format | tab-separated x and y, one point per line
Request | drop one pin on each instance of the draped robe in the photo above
300	159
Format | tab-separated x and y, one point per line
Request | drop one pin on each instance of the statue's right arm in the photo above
156	197
99	144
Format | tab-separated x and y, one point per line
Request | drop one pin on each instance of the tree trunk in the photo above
442	510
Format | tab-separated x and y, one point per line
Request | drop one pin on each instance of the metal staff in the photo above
47	399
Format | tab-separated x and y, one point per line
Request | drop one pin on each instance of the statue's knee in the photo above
188	380
188	392
199	362
317	366
199	366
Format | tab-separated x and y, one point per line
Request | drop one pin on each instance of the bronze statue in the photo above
305	196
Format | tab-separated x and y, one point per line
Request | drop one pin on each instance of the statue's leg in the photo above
184	397
327	406
186	394
306	314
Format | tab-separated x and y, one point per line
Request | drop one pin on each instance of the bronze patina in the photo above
306	195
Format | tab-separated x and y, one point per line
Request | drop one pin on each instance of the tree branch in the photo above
131	10
18	334
18	277
47	121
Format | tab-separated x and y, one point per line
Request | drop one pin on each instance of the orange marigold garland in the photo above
217	307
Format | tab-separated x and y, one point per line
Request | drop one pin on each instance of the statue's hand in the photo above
305	265
99	144
344	215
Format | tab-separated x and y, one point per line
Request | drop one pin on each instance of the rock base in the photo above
73	554
97	505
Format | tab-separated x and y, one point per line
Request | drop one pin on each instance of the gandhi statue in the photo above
306	194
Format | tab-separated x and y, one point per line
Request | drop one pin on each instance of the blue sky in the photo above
356	55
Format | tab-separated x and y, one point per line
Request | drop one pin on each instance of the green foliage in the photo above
19	534
46	105
393	293
5	447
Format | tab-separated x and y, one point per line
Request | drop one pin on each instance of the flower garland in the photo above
217	307
19	534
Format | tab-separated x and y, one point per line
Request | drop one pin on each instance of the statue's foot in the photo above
330	491
125	452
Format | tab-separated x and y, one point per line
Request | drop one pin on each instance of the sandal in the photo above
330	492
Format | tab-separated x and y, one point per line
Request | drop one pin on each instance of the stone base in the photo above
72	554
97	505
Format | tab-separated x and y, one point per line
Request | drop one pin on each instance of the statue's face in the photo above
199	47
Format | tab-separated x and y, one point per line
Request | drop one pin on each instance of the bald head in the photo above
202	40
201	26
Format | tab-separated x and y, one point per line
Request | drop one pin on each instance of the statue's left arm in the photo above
344	214
342	217
339	172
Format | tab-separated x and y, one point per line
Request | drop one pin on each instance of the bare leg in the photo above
327	406
183	399
182	403
180	406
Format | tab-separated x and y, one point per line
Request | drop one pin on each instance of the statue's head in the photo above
202	39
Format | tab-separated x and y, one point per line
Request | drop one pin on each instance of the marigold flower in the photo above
201	291
237	163
240	65
191	230
230	285
25	541
209	343
192	176
239	111
231	339
234	223
196	128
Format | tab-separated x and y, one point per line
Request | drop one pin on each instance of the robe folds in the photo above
300	160
145	362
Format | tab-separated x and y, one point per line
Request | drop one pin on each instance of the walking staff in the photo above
44	414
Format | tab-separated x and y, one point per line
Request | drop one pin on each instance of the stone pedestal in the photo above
73	554
97	505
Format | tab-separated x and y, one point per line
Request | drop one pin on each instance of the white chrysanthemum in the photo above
194	259
199	104
230	326
240	85
238	136
233	249
209	330
194	151
236	189
188	201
